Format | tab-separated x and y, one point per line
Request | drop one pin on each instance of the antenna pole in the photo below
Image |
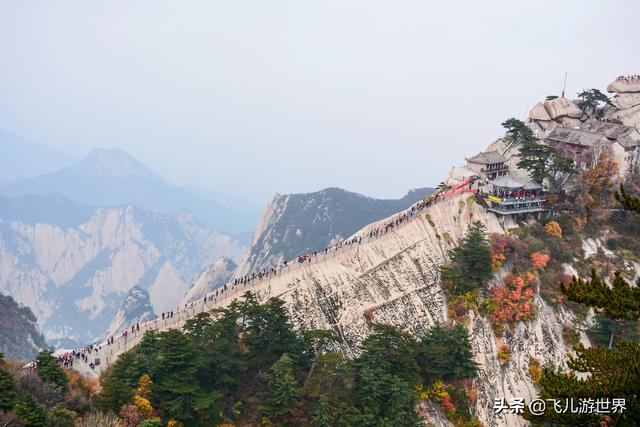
564	86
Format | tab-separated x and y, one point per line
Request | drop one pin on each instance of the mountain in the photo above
214	276
296	224
517	318
22	158
395	279
108	178
136	308
20	338
74	265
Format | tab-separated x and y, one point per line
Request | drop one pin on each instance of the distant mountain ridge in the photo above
295	224
21	158
112	163
73	265
110	178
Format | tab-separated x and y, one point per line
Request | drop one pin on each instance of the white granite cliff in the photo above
396	278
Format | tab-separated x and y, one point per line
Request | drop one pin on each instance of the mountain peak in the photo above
113	163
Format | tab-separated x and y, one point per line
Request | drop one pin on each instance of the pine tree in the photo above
471	265
174	390
534	158
282	393
589	101
620	301
8	394
270	334
628	201
518	130
541	161
612	373
49	370
117	384
605	329
62	417
401	404
29	411
390	350
446	354
323	414
385	399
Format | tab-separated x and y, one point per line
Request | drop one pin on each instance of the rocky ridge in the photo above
20	338
395	278
297	224
135	309
213	277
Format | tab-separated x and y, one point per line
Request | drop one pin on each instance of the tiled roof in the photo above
487	158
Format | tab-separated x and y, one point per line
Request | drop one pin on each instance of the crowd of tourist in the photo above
66	359
632	78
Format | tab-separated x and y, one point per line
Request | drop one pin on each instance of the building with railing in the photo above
506	196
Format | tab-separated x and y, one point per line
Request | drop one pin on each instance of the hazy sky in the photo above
258	97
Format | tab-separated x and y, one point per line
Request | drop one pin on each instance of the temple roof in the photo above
507	182
487	158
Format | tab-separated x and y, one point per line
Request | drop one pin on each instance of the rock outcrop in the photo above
626	102
625	85
296	224
562	107
20	338
136	308
539	112
213	277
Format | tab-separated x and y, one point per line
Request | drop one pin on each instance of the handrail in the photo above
210	301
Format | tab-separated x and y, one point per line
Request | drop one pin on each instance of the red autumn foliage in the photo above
539	259
498	247
447	404
514	301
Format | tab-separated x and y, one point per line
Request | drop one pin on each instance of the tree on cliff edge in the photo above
8	394
470	266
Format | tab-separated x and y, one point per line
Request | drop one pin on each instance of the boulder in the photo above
624	101
538	112
628	117
625	85
562	107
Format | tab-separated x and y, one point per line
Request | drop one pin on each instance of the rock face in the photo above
295	224
562	107
538	112
213	277
626	102
547	115
395	279
20	338
625	85
136	308
74	265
